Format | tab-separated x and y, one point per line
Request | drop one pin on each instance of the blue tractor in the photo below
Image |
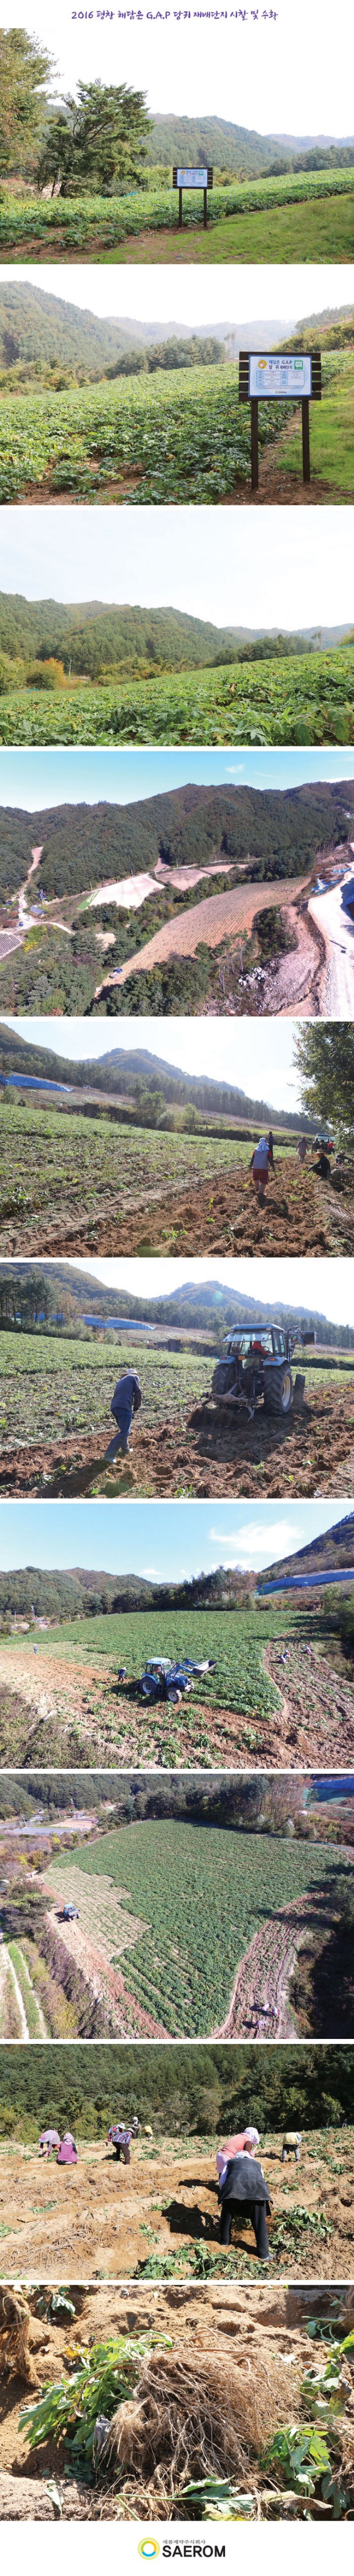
162	1680
257	1364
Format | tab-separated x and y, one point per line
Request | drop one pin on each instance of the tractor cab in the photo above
158	1664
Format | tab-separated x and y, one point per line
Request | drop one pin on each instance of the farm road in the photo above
308	1453
61	2223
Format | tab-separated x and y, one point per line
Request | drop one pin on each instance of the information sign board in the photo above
192	179
276	379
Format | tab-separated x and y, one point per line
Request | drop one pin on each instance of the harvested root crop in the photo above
194	2414
15	2355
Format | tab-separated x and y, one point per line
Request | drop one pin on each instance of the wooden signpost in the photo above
282	378
202	178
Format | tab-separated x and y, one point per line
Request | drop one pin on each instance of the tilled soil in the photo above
309	1453
260	2007
99	2219
317	1722
223	1215
215	917
220	1214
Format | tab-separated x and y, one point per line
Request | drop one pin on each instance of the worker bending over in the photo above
243	2191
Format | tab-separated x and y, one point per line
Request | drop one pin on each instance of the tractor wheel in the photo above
278	1390
224	1378
175	1697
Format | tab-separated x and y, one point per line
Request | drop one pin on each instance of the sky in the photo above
36	779
275	568
156	1539
323	1286
192	296
256	1056
285	72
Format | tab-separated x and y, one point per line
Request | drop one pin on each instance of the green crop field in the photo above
52	1162
304	214
50	1387
308	698
240	1681
44	1152
167	437
202	1892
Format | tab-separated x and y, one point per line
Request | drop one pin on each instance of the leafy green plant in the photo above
214	2500
302	2455
70	2410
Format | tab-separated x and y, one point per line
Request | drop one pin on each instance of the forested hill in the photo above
80	1592
176	2087
56	1294
334	1546
132	1072
96	636
277	832
195	140
34	325
43	332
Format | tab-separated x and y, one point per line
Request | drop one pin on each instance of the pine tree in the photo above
96	141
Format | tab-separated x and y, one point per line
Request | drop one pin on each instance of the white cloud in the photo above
258	1540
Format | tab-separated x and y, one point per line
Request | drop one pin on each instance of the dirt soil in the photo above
317	1721
238	2317
309	1453
100	2218
260	2007
216	917
302	1214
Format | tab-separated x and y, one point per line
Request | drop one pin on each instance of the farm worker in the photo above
242	2187
261	1163
49	2138
322	1166
68	2150
119	2138
233	2147
126	1400
291	2145
302	1149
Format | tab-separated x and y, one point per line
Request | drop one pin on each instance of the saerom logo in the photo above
149	2548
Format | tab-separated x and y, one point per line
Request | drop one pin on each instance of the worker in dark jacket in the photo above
126	1400
242	2188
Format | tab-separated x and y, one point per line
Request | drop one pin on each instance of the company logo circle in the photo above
149	2548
